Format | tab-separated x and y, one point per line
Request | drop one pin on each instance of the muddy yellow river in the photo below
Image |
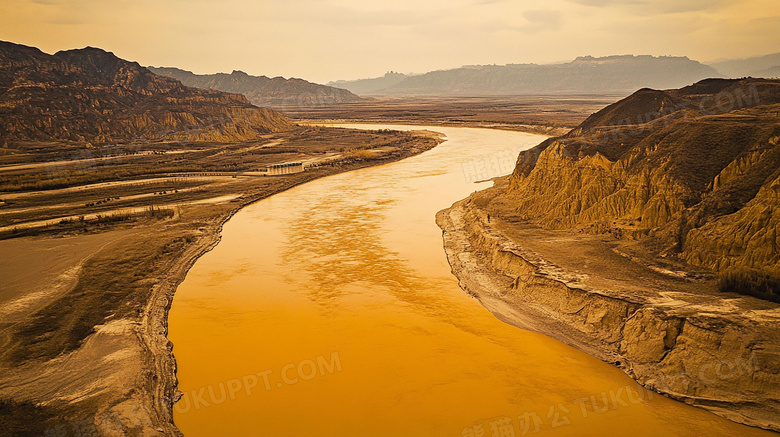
330	310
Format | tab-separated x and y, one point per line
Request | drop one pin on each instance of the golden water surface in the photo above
330	310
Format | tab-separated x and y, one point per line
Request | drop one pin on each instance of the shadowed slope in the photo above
90	95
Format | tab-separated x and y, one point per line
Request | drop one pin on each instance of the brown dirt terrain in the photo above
547	115
36	270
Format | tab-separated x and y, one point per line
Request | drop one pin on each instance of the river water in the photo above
330	310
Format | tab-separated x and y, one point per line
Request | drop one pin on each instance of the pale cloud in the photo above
602	3
652	7
544	17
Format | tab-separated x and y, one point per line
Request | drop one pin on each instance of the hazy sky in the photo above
347	39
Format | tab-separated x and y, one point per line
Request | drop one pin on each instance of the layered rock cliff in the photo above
90	95
695	169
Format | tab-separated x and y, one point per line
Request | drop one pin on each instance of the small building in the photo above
284	168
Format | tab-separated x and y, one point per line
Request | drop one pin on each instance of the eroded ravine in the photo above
330	310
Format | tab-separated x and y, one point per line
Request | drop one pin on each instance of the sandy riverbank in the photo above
670	331
121	378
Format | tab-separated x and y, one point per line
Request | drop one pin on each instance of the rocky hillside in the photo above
613	74
695	172
90	95
262	90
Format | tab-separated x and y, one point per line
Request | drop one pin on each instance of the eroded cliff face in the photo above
713	350
90	95
564	191
748	237
696	169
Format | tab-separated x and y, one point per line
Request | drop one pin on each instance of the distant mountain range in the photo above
370	86
587	75
772	73
759	66
612	74
90	95
262	90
